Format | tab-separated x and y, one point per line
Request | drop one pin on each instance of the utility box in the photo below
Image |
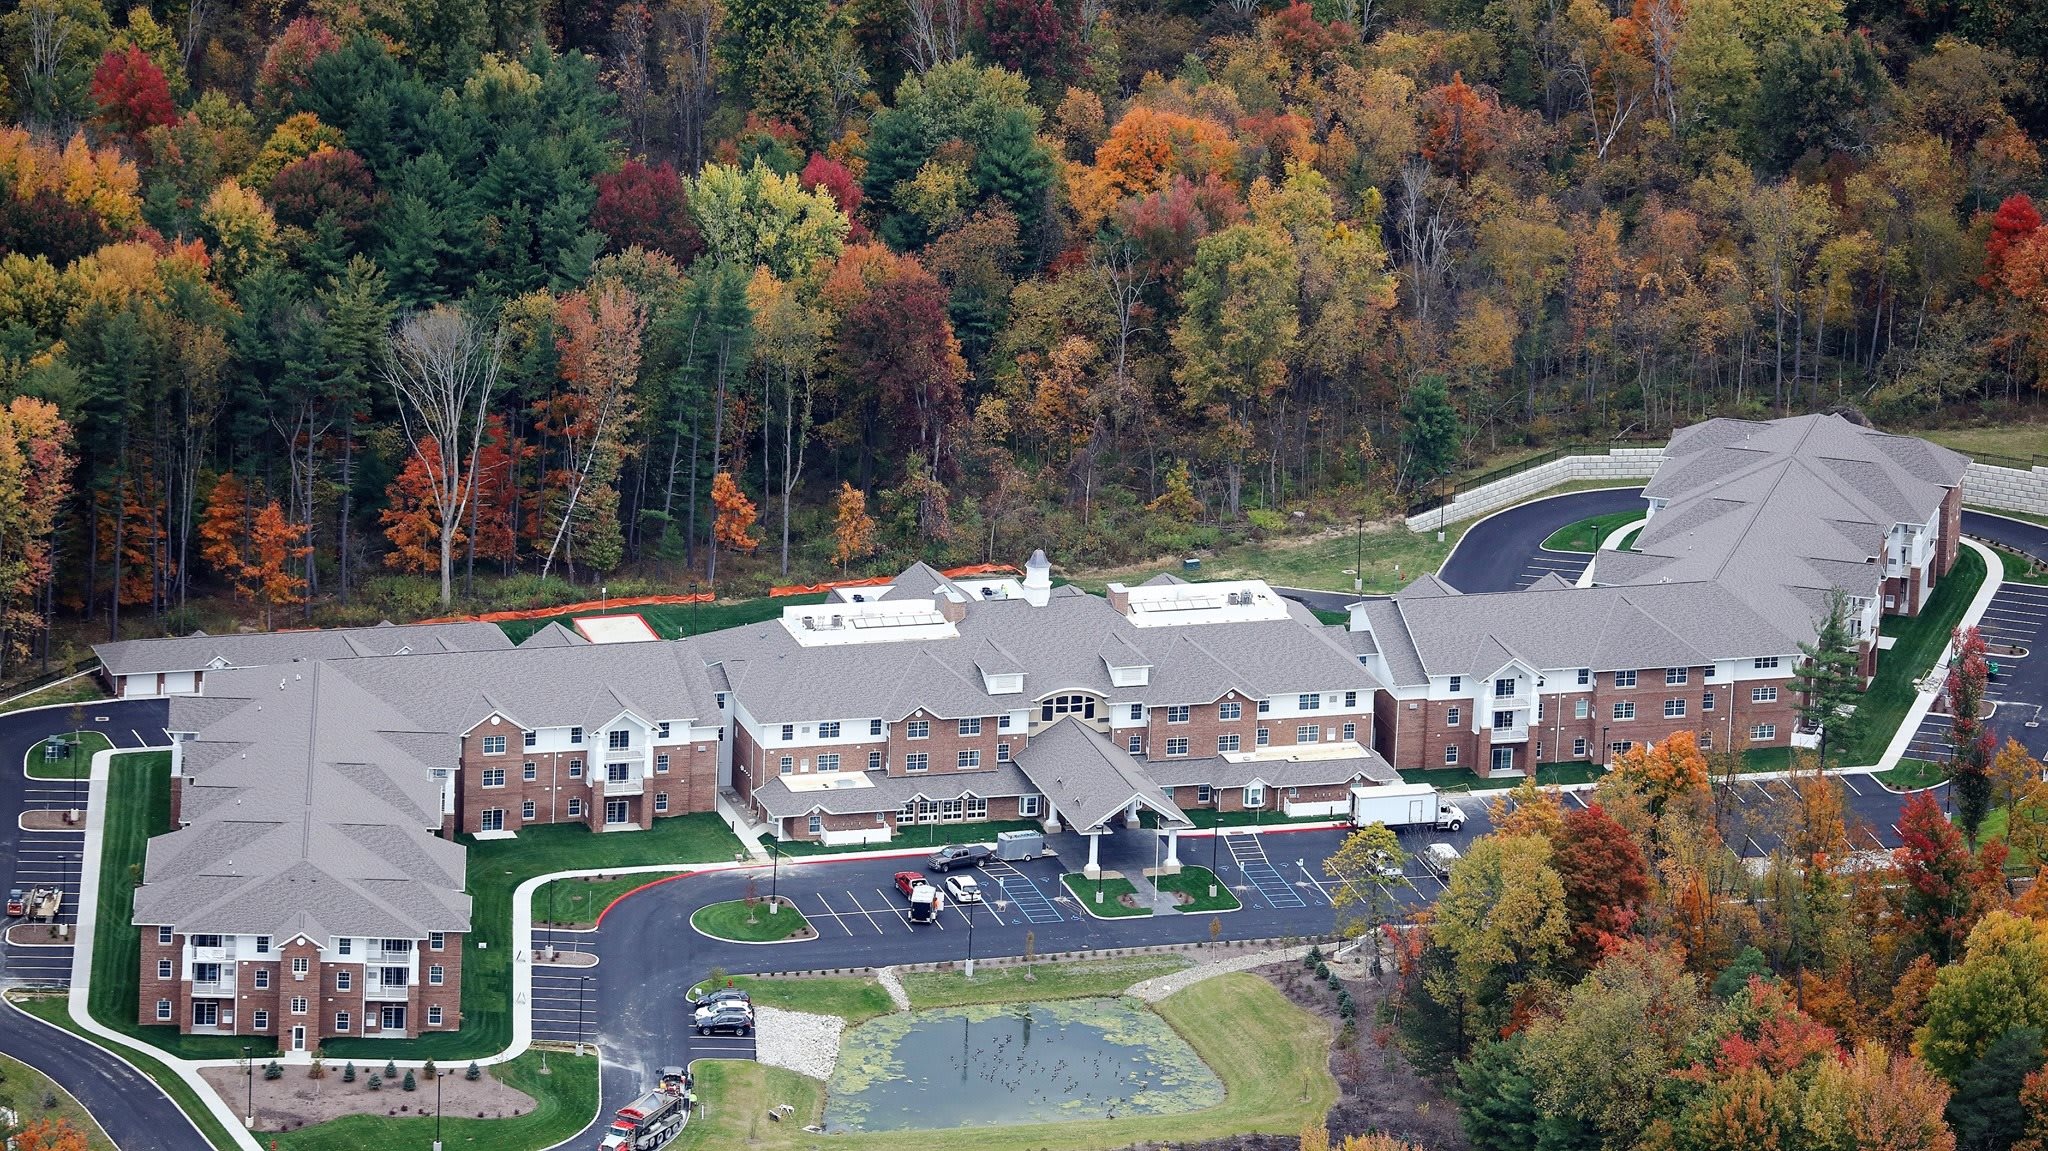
1019	844
1191	565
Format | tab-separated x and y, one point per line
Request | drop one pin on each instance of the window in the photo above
1457	684
977	807
815	824
1451	756
660	802
298	1005
206	973
1585	677
433	1015
971	757
1307	733
1264	737
300	965
661	765
575	809
1539	709
436	940
874	761
1707	672
789	731
1625	710
1763	732
1178	745
970	726
1707	701
260	1020
575	769
1230	709
1350	732
344	980
576	735
1003	722
342	945
918	729
1582	708
529	771
1763	695
494	745
163	969
661	730
874	727
1265	705
494	777
1177	714
788	764
1027	806
1350	699
1765	662
1503	719
206	941
1255	795
392	1017
828	761
1451	717
341	1021
1059	705
1579	748
1002	753
1137	711
1227	742
529	739
1673	676
917	761
1619	746
829	729
1135	744
527	811
163	935
1309	701
1624	679
163	1009
263	945
1504	687
1203	793
618	740
1674	709
436	974
618	772
1706	741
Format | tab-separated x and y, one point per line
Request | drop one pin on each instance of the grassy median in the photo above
751	921
1920	640
1194	882
77	766
579	901
1587	534
1013	983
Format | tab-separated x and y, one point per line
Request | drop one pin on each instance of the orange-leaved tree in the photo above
35	480
48	1135
412	517
853	531
274	545
737	515
1664	771
224	533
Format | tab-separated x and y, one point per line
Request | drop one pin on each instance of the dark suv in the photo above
728	1019
722	995
960	855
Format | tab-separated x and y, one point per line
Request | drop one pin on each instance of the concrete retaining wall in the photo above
1618	464
1984	485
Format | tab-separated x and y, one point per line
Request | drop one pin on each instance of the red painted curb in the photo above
635	891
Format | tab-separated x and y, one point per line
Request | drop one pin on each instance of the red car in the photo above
909	881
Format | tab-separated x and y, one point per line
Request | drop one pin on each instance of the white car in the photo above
710	1011
963	889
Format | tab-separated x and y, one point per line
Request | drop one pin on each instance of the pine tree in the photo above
1828	677
1014	165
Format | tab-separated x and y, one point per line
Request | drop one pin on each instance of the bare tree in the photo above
688	31
1427	227
443	366
196	14
938	31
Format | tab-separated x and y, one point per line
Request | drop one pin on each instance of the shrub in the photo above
376	1082
272	1071
348	1072
390	1069
410	1083
1322	970
428	1070
474	1073
1314	956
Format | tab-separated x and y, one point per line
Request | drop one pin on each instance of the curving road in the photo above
2031	538
1504	551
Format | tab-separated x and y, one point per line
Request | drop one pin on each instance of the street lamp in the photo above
438	1076
249	1069
1358	555
774	875
1215	838
582	992
967	909
1604	745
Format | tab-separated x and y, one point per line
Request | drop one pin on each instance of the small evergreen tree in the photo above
1828	677
410	1084
390	1069
376	1082
348	1072
1431	434
474	1073
272	1071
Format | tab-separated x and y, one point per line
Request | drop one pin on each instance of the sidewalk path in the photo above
1160	986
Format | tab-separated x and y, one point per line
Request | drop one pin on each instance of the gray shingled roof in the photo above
890	793
554	635
1220	771
308	810
197	652
1089	779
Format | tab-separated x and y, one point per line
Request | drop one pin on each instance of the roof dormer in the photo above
1128	667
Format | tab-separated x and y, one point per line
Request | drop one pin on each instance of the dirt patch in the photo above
1378	1091
36	935
297	1101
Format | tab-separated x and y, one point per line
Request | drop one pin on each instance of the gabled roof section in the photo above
1426	586
553	635
1549	581
1090	780
200	651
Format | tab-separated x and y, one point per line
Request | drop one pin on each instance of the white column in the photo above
1094	867
1171	865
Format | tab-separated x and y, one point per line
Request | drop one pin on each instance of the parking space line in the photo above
1846	782
833	914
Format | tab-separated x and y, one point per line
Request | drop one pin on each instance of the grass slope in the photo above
675	620
1920	640
564	1100
83	689
1273	1059
1587	534
79	766
51	1009
1008	984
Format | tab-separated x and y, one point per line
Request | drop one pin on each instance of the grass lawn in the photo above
81	690
1112	892
23	1090
1316	561
1912	775
1547	775
734	920
564	1101
851	999
496	868
1090	980
1920	640
1194	882
2016	440
675	620
2018	570
78	766
578	902
1210	817
929	835
1587	534
51	1009
1273	1059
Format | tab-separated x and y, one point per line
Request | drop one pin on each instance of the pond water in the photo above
1011	1063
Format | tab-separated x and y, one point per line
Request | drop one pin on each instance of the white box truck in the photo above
1405	805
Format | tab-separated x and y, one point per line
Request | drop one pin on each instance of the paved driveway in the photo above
1504	552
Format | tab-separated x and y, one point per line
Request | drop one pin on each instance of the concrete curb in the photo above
1930	689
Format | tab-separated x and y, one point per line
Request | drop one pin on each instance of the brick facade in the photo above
257	997
691	782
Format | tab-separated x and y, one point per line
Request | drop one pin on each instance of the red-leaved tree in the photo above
643	205
288	64
132	94
2015	220
1606	882
334	185
1936	867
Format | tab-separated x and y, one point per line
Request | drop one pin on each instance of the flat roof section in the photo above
627	628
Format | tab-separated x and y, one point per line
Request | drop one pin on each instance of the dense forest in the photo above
297	299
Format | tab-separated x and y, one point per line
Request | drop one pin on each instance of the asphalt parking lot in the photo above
2016	618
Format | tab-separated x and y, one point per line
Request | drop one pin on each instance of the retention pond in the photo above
1014	1063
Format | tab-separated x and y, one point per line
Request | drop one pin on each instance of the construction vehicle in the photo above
39	904
656	1118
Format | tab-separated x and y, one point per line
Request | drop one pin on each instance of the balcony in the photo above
209	955
630	786
224	989
1511	735
399	991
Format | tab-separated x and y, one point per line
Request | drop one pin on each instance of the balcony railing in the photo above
1510	735
209	955
622	787
219	990
386	991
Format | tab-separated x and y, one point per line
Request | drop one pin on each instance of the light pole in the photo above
1603	745
249	1069
774	876
438	1076
1215	837
1358	555
551	918
582	992
967	909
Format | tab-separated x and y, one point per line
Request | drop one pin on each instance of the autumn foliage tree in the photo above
1606	882
132	94
737	515
48	1135
35	480
224	531
275	545
853	529
1664	771
1971	745
1935	866
643	205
